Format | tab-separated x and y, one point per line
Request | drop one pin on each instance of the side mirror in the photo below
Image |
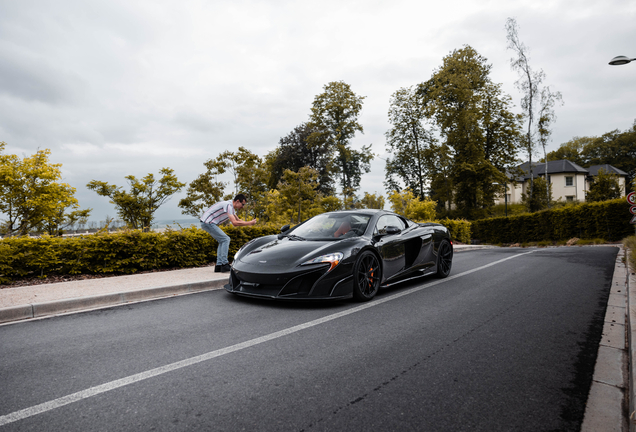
392	230
284	228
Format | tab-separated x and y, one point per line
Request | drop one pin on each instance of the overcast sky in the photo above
121	87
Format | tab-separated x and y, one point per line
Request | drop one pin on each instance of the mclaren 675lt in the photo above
339	255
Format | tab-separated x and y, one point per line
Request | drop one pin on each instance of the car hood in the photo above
287	253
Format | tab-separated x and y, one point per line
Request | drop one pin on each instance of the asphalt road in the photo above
507	342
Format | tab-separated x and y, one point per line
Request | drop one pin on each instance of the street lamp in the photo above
620	60
505	196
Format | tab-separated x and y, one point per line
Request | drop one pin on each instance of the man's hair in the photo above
240	197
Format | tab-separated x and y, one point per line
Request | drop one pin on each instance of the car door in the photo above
390	244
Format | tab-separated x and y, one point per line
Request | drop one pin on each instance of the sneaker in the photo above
225	268
217	268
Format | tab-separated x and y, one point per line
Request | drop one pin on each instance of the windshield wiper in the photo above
295	237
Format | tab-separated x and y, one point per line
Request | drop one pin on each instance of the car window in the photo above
332	226
388	220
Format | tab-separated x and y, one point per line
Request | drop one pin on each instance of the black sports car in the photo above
339	255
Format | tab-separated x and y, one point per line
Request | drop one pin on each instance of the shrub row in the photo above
123	252
608	220
460	229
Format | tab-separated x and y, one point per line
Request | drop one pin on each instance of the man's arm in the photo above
237	222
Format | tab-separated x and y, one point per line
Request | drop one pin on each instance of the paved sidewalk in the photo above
35	301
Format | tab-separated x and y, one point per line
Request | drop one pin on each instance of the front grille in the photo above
278	285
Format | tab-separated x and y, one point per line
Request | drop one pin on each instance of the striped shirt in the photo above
218	213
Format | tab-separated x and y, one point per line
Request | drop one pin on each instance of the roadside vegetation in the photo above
630	244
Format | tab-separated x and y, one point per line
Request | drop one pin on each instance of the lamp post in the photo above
505	196
620	60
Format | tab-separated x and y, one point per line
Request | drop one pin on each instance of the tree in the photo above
60	221
146	195
536	102
615	148
407	204
604	187
334	122
372	201
294	152
409	142
298	190
31	195
475	125
205	190
546	118
572	151
541	197
250	178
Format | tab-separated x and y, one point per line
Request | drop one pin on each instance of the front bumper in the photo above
314	283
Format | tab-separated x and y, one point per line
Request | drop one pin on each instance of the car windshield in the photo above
332	226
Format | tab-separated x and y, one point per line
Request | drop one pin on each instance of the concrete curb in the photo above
631	338
612	389
38	310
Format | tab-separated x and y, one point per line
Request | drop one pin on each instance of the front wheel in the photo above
444	259
366	277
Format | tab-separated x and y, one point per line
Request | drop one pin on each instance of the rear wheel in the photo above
366	276
444	259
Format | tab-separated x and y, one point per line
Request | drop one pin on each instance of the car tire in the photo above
444	259
367	275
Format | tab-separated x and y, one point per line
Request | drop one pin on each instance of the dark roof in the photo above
594	169
563	166
559	166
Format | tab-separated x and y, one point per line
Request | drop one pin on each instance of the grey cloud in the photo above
33	78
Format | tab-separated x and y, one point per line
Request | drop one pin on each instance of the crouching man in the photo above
218	214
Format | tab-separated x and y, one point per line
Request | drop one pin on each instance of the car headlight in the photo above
332	258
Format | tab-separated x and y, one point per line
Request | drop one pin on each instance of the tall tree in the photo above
474	122
537	102
409	142
32	196
546	118
137	207
334	122
294	152
298	189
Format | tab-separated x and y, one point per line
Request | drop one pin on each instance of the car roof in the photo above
361	211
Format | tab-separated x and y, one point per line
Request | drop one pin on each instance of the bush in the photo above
608	220
124	252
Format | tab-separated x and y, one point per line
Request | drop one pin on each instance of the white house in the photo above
570	182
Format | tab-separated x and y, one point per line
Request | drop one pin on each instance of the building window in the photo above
569	181
569	198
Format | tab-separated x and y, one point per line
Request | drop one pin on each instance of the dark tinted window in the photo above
388	220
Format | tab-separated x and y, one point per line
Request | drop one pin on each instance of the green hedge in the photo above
608	220
460	229
119	253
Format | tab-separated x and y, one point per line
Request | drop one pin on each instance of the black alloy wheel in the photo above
366	277
444	259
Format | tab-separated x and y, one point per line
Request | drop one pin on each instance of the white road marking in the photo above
112	385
